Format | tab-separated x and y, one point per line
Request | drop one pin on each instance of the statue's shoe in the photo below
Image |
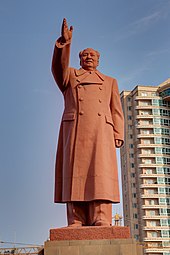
102	223
75	225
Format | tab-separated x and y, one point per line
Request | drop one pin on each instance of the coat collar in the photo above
81	71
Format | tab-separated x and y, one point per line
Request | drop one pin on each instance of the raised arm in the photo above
66	33
61	56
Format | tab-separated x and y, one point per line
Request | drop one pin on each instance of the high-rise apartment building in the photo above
145	163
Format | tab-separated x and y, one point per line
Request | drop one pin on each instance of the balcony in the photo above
144	116
149	185
147	155
150	175
155	217
149	106
151	206
146	135
157	250
146	145
155	195
149	165
150	125
148	97
155	239
153	175
155	228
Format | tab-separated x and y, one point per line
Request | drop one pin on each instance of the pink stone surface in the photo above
89	233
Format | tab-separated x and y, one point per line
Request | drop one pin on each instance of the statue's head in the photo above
89	59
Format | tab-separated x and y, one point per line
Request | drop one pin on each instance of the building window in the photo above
145	122
147	161
164	211
130	146
163	170
165	222
156	111
149	181
164	201
135	216
130	136
165	244
129	117
152	213
144	94
154	234
151	202
146	141
155	102
151	191
156	121
161	190
136	237
158	140
145	132
166	161
153	94
145	112
157	131
144	103
146	151
136	226
152	223
148	171
158	150
159	160
165	233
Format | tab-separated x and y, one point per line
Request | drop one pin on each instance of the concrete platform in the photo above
93	247
89	233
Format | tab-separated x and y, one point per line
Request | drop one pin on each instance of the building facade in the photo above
145	163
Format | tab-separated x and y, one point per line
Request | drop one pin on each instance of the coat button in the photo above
81	112
100	100
80	99
99	114
100	88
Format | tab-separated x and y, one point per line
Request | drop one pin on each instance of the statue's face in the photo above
89	59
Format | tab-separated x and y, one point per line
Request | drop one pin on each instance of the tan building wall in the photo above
145	163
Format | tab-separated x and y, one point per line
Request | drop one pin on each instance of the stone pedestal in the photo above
91	241
89	233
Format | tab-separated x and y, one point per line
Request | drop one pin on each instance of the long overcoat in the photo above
86	165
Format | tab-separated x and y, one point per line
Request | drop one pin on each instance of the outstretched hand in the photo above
66	33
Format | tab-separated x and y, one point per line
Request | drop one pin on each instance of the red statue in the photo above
92	127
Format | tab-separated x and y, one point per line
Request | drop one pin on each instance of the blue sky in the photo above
133	38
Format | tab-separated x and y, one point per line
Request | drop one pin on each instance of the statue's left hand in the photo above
118	143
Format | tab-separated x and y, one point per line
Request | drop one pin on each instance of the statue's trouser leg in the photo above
97	213
76	213
100	213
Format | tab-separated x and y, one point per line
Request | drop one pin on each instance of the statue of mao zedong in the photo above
92	127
